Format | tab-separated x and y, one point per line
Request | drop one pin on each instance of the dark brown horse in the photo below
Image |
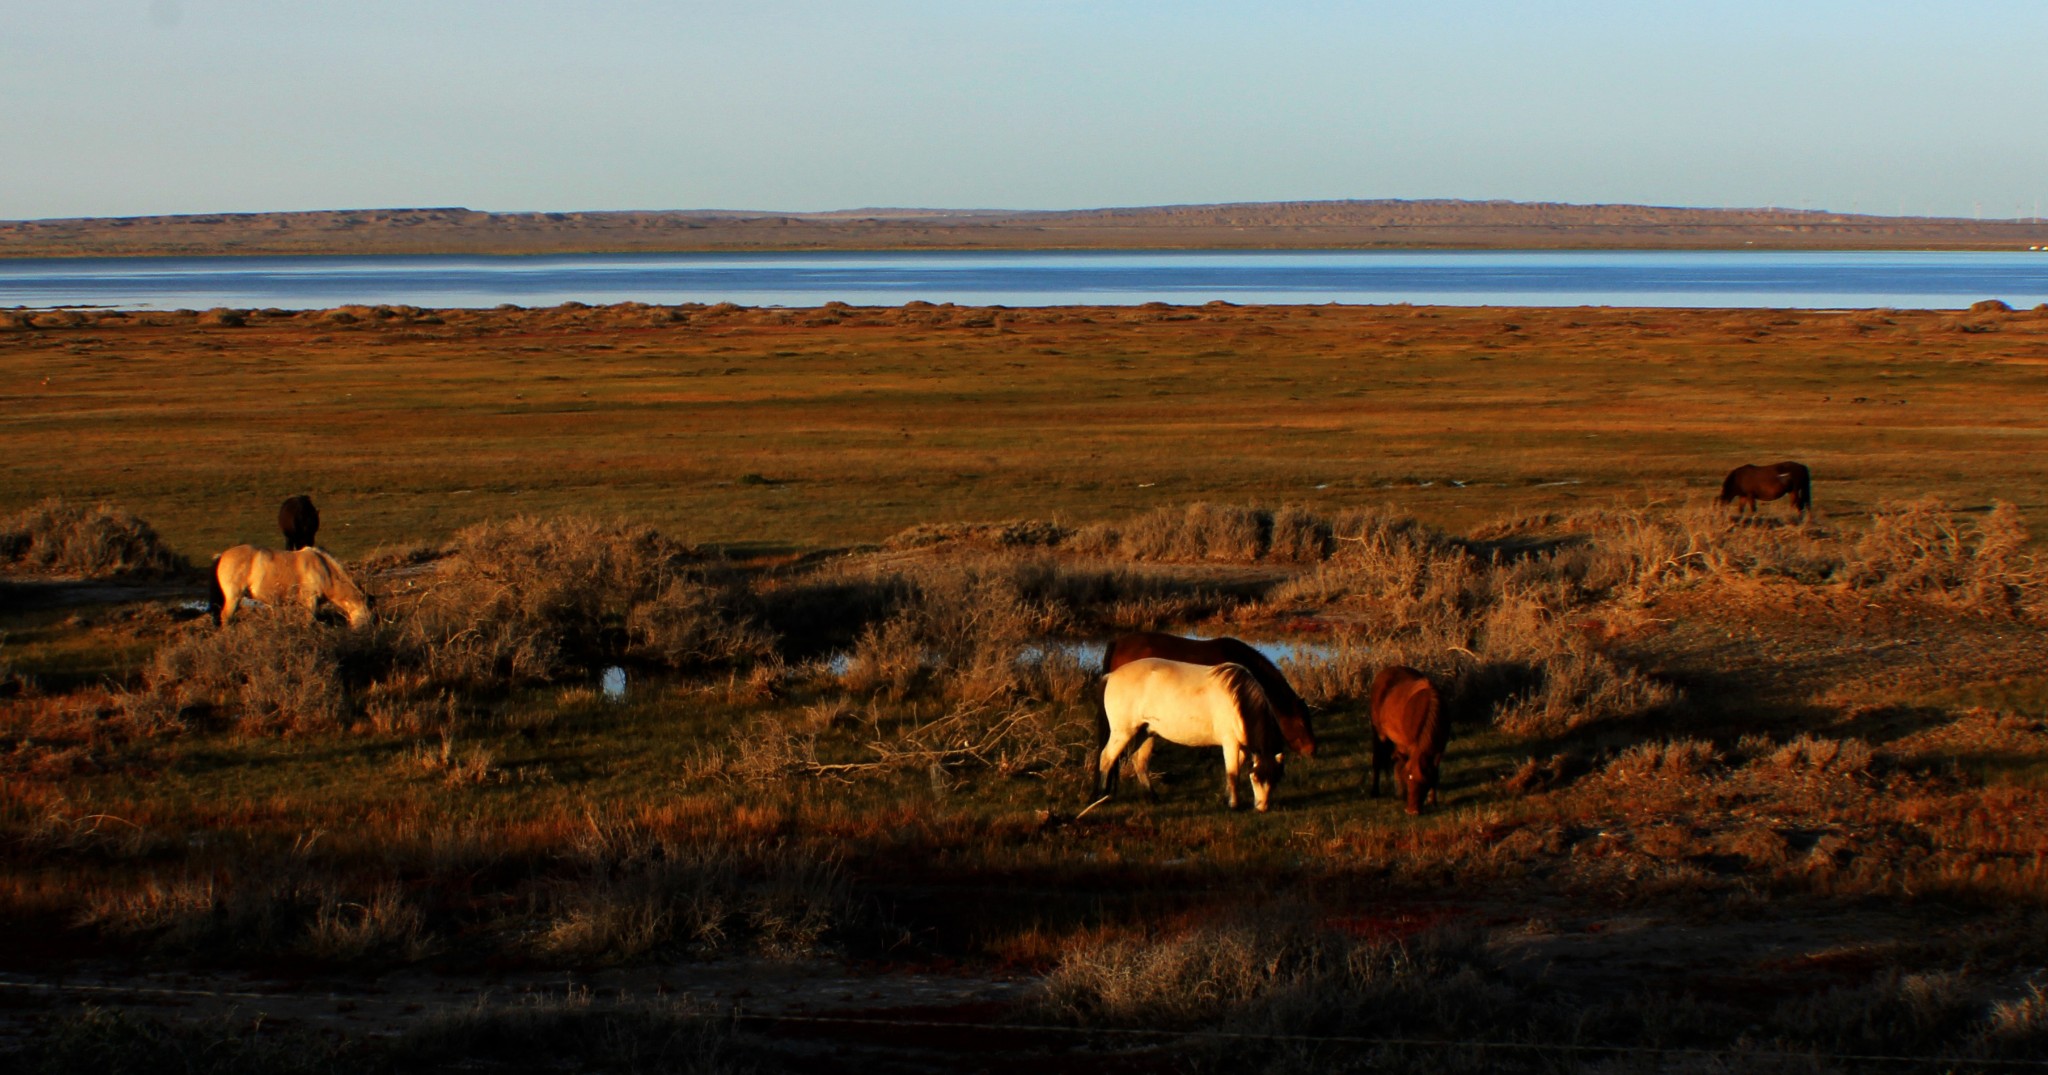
1750	483
1409	734
299	520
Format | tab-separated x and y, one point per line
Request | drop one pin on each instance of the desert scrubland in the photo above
729	695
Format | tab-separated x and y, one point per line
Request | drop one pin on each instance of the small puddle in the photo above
613	684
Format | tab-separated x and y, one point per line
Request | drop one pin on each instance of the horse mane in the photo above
1253	707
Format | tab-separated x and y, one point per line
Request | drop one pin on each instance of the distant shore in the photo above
1249	226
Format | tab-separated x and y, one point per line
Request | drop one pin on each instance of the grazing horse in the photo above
299	520
1750	483
1194	705
1289	711
1409	733
272	577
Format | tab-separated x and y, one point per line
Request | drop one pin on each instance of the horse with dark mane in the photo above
300	521
1409	734
1194	705
1289	711
1750	483
274	577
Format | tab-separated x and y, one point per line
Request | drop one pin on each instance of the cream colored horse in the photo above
1194	705
274	577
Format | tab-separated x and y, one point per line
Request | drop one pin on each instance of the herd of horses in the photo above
1196	692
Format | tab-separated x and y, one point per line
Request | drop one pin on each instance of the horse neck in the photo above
1254	711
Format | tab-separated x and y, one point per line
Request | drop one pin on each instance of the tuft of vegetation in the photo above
98	542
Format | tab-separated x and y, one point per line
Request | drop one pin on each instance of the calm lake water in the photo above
1503	278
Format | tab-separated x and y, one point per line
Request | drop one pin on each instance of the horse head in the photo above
1419	774
339	589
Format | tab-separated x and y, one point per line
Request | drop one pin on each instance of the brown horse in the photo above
1409	734
1750	483
299	520
1289	712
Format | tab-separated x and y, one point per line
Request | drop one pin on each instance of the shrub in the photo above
1922	549
265	672
536	598
97	542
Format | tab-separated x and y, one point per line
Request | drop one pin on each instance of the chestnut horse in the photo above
1194	705
1750	483
273	577
299	520
1409	734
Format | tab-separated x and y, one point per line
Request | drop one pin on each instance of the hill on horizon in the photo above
1290	225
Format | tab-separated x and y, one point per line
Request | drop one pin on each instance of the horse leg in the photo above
1141	764
1263	782
1231	764
230	600
1106	763
1382	758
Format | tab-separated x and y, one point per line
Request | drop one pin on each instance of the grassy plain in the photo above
1770	792
820	428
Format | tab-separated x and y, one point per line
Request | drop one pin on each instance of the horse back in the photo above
1406	710
1175	700
1279	694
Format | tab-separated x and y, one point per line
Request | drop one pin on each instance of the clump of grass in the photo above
1202	531
1922	549
1279	971
641	891
275	673
101	541
532	599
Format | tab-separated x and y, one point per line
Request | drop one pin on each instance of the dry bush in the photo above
1224	533
639	891
1579	687
265	672
97	542
1006	740
1277	971
1341	675
1921	549
537	598
1017	533
968	628
384	923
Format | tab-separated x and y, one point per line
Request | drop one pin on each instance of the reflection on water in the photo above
613	684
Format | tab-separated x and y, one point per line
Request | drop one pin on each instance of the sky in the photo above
137	107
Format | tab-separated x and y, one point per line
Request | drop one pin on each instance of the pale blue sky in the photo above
120	107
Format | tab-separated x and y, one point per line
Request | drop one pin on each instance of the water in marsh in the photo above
1698	278
613	684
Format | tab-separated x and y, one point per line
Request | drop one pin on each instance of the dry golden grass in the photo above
736	425
1660	714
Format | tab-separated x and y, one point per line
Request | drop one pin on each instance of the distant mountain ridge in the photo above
1391	223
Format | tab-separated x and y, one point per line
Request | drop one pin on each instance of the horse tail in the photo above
217	598
1802	493
1728	490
